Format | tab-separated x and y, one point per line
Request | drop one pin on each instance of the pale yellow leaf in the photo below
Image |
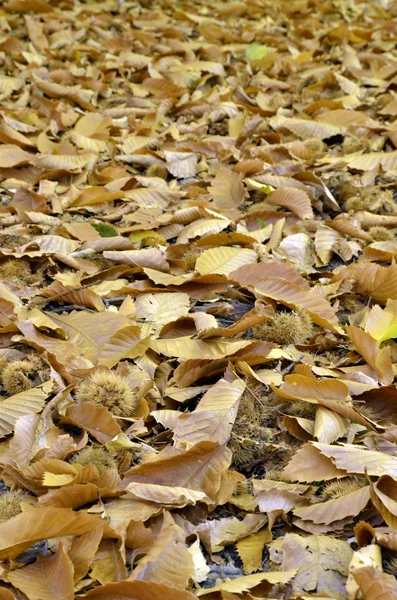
224	260
329	426
29	402
181	164
381	323
188	348
156	310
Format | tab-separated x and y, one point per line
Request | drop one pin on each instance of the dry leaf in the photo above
322	561
47	578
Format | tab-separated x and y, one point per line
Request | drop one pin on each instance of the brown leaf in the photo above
47	578
227	189
296	200
198	468
168	560
374	584
37	524
144	590
336	509
322	561
97	420
378	359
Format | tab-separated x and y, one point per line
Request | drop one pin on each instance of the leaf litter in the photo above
198	300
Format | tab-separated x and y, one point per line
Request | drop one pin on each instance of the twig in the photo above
291	366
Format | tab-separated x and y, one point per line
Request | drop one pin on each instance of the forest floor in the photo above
198	300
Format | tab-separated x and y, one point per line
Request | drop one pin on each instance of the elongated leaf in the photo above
291	295
357	459
334	510
25	529
131	590
199	468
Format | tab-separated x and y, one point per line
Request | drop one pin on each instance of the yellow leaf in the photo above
29	402
55	480
188	348
329	426
377	358
381	323
224	260
156	310
181	164
250	549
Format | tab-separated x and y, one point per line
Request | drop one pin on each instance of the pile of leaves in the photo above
198	299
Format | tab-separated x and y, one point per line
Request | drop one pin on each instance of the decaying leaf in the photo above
322	562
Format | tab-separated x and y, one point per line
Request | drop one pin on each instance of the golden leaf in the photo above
336	509
198	468
168	560
12	156
188	348
250	549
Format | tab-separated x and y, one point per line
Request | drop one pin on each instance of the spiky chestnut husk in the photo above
14	377
22	375
191	259
3	363
15	270
286	328
355	204
250	433
94	456
300	408
10	504
381	234
106	388
341	487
